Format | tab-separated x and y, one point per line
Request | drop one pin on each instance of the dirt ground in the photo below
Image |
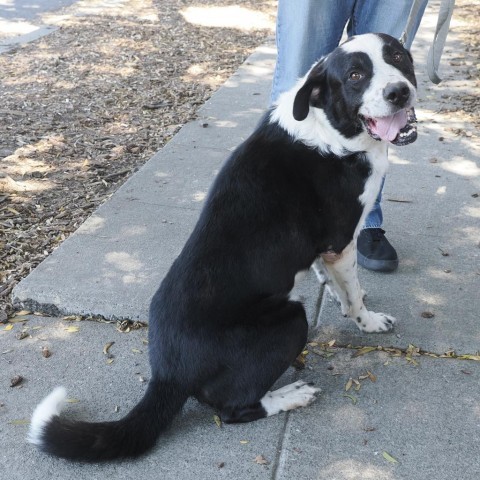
84	107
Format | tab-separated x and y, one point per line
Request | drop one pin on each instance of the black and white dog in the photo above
223	327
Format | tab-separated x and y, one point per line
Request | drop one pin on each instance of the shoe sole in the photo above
377	265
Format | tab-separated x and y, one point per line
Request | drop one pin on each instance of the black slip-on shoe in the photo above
374	251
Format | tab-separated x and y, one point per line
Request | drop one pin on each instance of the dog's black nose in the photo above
397	93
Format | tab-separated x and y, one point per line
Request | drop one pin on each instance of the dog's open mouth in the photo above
399	129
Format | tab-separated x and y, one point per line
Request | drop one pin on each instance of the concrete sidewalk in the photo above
405	417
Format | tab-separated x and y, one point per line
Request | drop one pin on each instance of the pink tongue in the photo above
387	128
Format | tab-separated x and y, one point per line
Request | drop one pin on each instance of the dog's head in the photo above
366	85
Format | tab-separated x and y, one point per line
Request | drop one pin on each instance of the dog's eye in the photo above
356	76
397	57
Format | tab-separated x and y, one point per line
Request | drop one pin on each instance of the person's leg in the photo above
375	217
306	31
387	16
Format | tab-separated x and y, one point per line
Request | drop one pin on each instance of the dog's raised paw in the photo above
376	322
295	395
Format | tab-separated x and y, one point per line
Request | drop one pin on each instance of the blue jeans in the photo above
310	29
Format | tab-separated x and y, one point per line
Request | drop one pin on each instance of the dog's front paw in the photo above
373	322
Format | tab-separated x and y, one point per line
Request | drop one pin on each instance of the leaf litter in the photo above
218	421
106	349
261	460
16	381
46	353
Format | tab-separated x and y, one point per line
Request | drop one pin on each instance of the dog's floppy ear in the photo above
301	104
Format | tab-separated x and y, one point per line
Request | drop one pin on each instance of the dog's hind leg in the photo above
292	396
254	357
295	395
342	271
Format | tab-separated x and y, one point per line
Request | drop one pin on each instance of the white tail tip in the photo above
46	409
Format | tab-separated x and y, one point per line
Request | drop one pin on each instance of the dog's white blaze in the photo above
46	409
378	158
374	105
295	395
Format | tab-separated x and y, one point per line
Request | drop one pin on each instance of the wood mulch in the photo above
84	107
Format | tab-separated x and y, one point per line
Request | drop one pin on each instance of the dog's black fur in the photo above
222	327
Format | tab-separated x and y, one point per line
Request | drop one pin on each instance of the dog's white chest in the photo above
378	159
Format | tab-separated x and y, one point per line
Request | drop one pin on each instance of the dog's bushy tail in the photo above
131	436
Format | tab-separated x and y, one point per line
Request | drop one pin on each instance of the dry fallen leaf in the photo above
21	421
399	200
389	458
72	329
46	352
9	326
412	361
299	362
371	376
363	351
16	380
106	348
218	421
427	314
21	335
349	384
72	400
261	460
351	397
469	357
18	320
